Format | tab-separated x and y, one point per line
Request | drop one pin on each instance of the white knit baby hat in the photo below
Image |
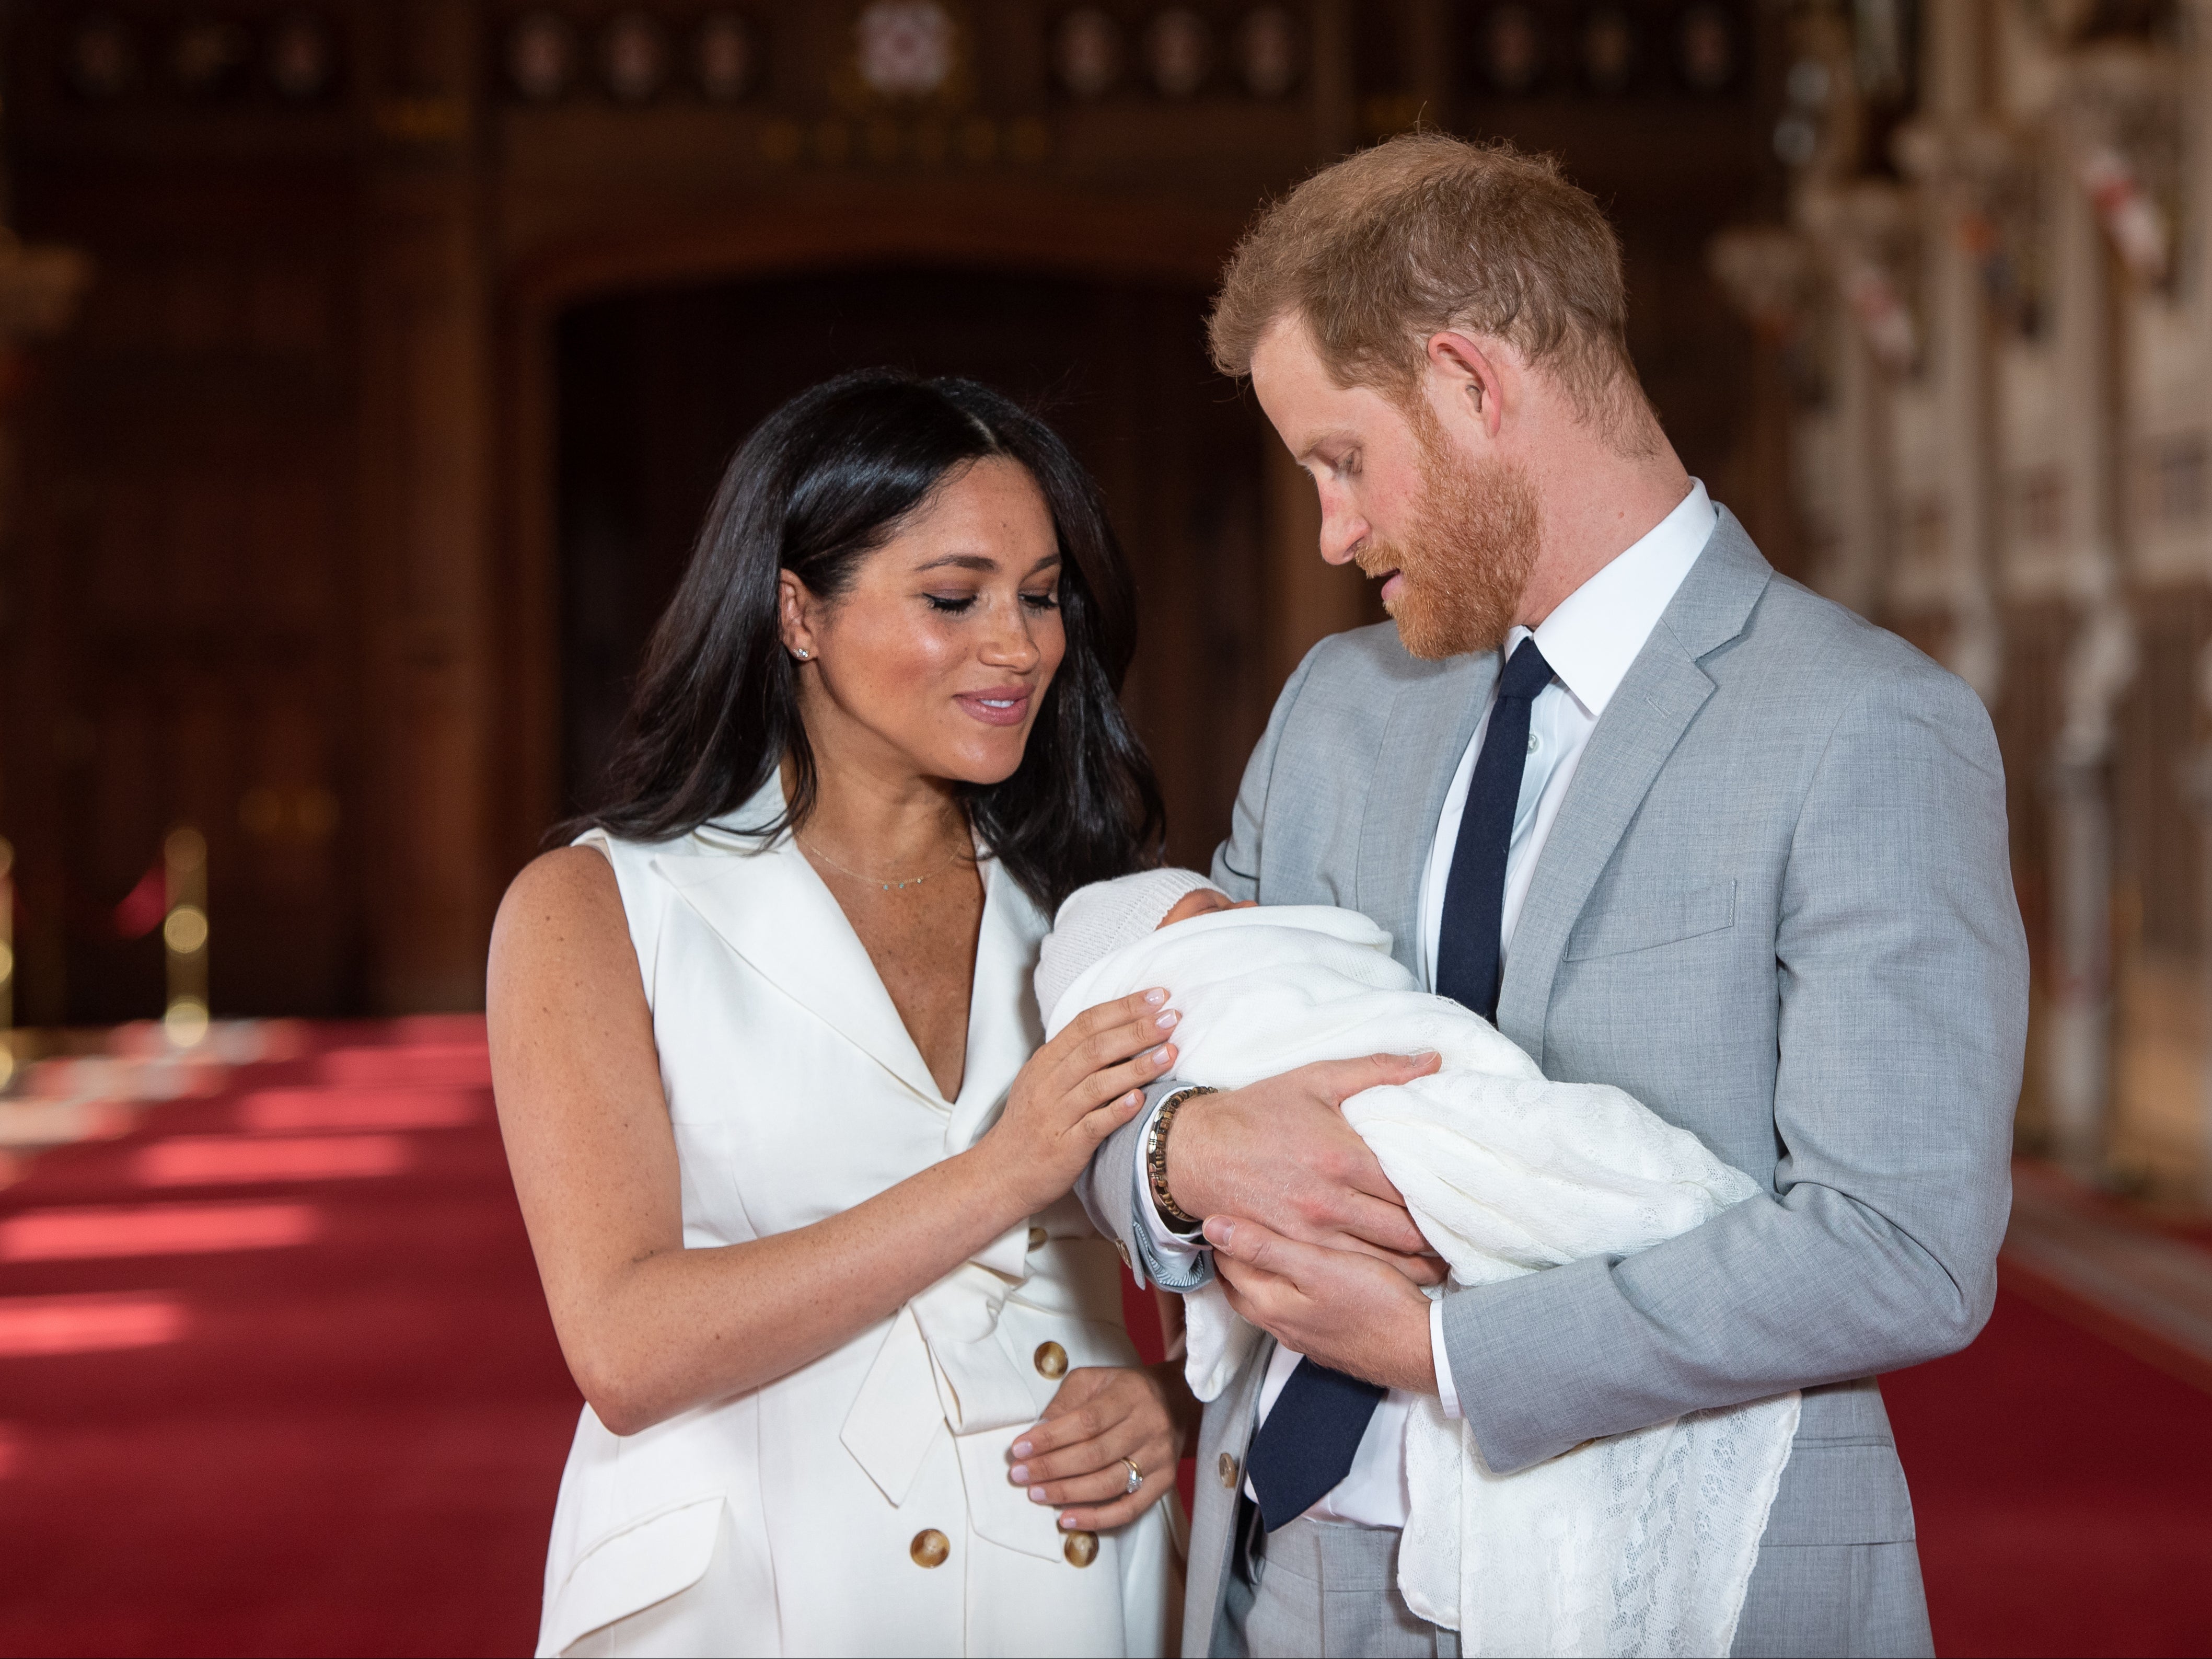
1103	917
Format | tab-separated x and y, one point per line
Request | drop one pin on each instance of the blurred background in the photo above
366	366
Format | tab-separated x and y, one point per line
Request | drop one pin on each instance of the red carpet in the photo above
352	1443
276	1378
2064	1493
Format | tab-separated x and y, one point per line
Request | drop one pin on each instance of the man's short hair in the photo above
1429	232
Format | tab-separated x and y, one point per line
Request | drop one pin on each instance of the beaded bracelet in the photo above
1156	1160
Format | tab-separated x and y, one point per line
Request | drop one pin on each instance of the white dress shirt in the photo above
1590	640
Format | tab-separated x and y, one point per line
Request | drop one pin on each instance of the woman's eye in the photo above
950	604
1048	600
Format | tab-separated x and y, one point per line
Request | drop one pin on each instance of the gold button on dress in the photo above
1227	1466
1081	1548
1036	1238
1051	1359
930	1547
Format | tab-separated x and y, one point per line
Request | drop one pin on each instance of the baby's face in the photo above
1198	901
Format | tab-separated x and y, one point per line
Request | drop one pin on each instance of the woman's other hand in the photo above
1102	1415
1077	1090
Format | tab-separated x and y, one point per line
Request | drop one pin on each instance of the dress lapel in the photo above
1431	721
1657	702
767	905
1004	1027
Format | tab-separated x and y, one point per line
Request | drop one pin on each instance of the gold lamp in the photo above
184	936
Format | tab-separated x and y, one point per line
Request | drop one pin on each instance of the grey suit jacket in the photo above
1777	906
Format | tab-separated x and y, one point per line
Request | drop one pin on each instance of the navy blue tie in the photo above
1306	1446
1474	896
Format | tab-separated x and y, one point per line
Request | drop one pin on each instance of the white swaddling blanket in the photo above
1642	1543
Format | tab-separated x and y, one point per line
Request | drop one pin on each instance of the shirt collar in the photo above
1595	633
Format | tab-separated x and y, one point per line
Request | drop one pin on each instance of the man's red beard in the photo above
1466	563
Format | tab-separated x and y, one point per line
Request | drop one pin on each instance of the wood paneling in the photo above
290	560
184	578
657	389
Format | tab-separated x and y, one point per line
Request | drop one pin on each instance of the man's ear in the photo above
1470	376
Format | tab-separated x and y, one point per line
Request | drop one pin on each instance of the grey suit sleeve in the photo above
1236	860
1107	1188
1111	1187
1902	972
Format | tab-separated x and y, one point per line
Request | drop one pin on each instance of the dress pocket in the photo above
637	1564
1652	920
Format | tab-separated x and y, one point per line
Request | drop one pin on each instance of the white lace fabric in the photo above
1638	1544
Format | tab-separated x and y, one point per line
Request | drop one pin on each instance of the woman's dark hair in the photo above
820	484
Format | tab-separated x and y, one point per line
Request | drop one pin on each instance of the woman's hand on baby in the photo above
1103	1414
1077	1090
1280	1149
1345	1310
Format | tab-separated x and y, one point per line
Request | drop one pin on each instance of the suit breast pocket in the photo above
1648	920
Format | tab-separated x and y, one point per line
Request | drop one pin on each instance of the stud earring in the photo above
802	655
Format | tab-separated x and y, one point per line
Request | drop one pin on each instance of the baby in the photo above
1506	1173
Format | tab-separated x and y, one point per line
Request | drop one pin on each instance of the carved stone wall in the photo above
2002	451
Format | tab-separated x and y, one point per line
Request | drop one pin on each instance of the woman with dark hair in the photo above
795	1164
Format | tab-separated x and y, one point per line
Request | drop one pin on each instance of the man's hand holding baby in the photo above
1344	1257
1344	1308
1281	1148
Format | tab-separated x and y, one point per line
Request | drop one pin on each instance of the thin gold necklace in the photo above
888	886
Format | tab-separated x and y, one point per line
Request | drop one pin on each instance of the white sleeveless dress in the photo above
859	1505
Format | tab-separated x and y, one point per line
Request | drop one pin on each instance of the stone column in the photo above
2195	105
2099	665
1946	149
1855	232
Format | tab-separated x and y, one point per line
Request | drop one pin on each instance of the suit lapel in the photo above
1224	1437
1639	729
1430	724
1657	702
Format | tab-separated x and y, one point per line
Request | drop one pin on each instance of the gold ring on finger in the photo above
1136	1478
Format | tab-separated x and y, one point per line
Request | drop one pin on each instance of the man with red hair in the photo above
1676	824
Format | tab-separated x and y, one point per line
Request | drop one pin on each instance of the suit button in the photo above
1081	1548
1051	1359
1227	1466
1036	1238
930	1547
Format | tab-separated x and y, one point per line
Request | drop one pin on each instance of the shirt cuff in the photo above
1175	1250
1447	1395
